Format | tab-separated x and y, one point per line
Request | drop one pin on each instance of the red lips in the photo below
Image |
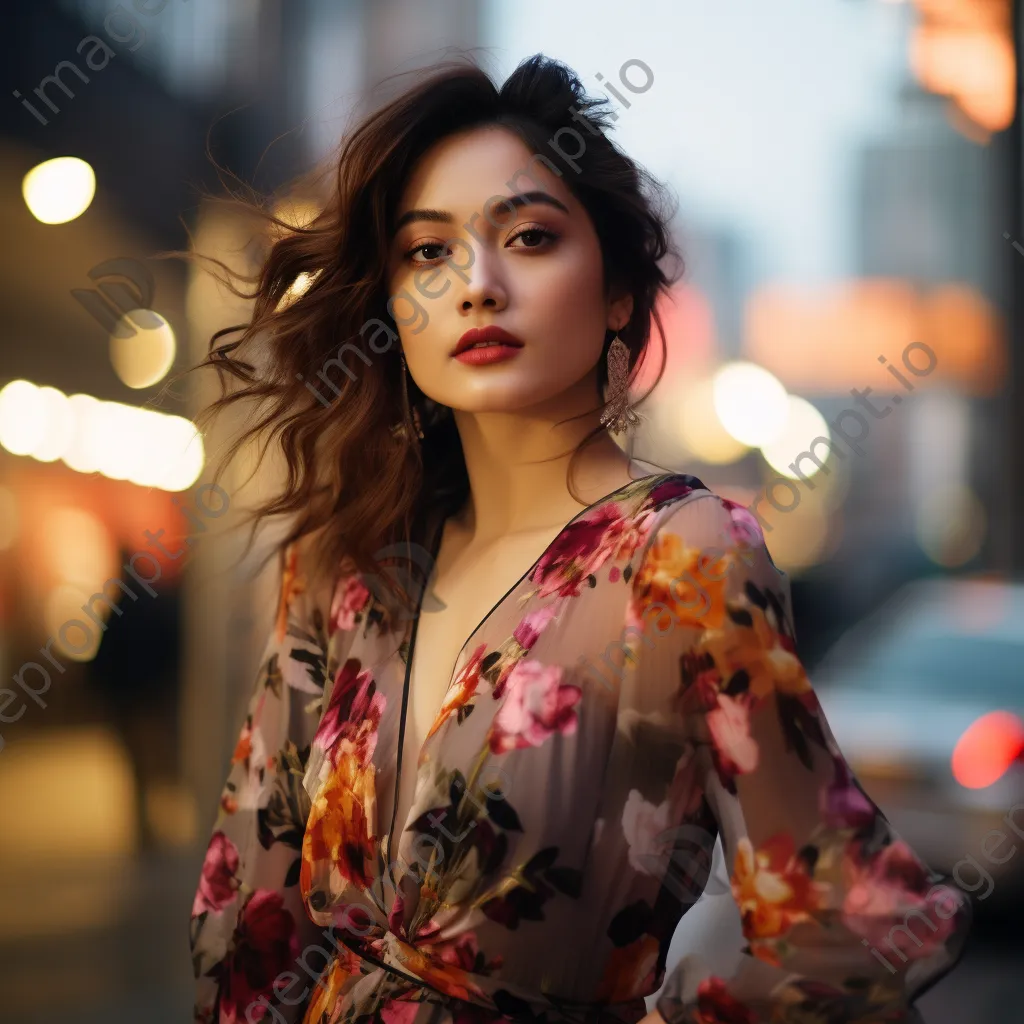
481	335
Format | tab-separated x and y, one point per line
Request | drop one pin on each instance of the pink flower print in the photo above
217	885
400	1011
744	528
579	550
843	805
736	752
529	630
350	598
885	888
537	705
353	714
642	824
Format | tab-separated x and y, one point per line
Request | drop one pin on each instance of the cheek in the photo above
569	312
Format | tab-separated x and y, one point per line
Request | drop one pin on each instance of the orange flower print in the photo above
629	971
446	964
292	584
759	650
774	891
461	691
326	996
673	574
243	748
338	828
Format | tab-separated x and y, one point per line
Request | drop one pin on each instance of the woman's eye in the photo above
420	248
534	237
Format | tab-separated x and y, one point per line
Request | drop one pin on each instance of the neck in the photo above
518	461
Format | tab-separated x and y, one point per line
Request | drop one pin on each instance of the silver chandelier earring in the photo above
409	414
618	416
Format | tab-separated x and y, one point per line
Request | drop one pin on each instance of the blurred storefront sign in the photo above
964	49
828	340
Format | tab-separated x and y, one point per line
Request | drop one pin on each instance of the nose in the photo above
485	289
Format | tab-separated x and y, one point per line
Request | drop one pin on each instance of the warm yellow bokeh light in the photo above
701	430
79	547
76	635
123	442
803	424
9	523
750	402
59	190
147	354
21	426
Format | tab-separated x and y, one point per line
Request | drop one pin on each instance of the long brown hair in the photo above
352	479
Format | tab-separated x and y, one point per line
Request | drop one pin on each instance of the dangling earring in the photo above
409	413
618	415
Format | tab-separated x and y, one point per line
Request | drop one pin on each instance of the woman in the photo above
488	786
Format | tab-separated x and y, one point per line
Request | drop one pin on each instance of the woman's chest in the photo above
464	598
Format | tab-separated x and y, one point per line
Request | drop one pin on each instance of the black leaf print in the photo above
464	712
566	880
780	613
297	633
489	661
541	860
496	854
456	787
503	814
591	581
741	617
515	1008
519	904
630	923
314	662
789	720
739	683
263	831
292	878
291	837
809	855
274	680
755	595
627	573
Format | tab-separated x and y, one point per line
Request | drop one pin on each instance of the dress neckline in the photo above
435	544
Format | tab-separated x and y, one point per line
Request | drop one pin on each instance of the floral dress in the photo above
635	696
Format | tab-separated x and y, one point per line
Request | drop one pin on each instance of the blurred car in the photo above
926	700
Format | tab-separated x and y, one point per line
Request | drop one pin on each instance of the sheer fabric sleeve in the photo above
841	920
248	922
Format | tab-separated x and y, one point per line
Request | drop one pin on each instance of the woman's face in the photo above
538	276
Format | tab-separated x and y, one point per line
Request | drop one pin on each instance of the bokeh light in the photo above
750	402
147	353
804	423
59	190
122	442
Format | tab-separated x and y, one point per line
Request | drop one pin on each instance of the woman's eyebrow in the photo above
445	217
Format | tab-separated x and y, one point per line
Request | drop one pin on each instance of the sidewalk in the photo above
106	944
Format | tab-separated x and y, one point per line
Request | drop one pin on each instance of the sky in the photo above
756	112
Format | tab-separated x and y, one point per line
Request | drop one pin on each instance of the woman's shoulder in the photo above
697	516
